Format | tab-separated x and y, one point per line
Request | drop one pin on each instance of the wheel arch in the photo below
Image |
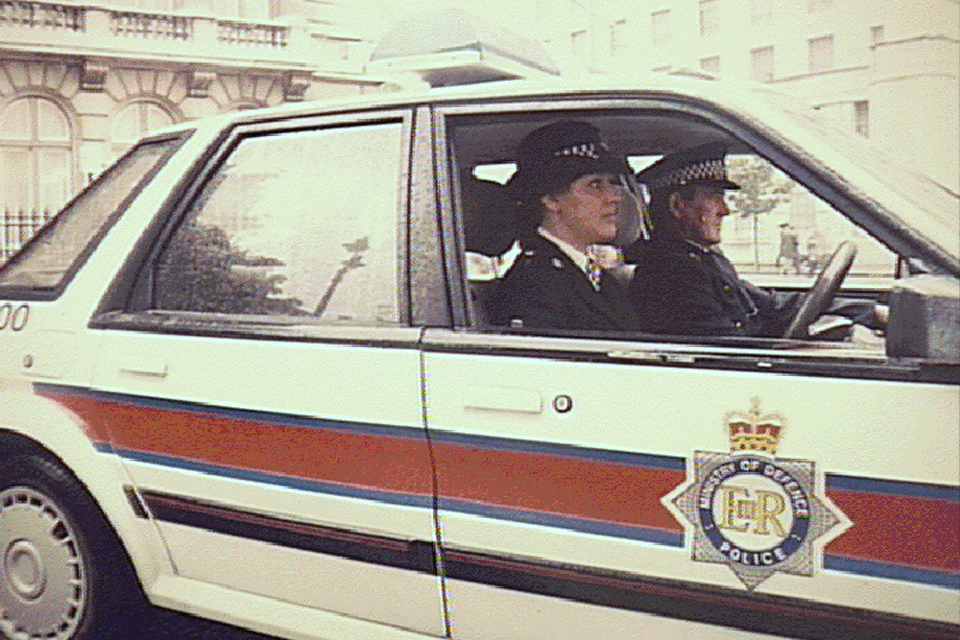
64	440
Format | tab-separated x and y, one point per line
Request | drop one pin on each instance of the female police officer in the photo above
568	186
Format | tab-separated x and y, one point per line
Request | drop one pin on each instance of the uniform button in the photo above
726	287
738	324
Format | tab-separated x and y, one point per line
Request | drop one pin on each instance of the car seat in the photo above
490	231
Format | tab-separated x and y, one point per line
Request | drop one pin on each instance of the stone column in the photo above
914	101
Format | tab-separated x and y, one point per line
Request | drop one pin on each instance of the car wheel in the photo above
64	574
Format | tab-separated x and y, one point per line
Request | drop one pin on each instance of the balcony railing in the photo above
42	14
33	21
233	32
147	25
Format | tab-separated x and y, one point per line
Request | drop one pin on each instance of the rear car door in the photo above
646	486
260	380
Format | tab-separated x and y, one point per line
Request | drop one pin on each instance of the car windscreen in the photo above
45	263
933	206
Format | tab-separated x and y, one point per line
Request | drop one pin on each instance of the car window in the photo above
781	234
778	235
297	223
45	263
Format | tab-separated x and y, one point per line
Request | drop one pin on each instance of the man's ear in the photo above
550	202
675	204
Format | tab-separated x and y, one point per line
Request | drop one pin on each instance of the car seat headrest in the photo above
489	217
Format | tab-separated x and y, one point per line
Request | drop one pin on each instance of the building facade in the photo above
80	82
887	70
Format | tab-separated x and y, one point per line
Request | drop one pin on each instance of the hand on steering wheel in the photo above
824	289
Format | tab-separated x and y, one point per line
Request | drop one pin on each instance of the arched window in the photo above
135	120
36	155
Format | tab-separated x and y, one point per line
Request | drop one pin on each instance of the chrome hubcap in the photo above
24	569
43	587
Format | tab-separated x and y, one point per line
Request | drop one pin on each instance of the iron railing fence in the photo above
17	226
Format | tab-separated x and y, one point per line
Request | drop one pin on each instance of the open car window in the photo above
779	234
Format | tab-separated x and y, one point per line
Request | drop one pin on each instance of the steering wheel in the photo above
824	289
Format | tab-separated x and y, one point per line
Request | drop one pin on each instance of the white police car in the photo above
246	375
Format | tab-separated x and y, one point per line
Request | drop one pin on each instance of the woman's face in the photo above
585	212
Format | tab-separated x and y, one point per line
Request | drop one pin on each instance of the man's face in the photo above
700	218
585	213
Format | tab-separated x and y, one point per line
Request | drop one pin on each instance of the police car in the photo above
247	374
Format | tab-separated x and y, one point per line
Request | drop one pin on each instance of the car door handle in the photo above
502	399
144	366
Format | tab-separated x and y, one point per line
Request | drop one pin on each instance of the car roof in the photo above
694	85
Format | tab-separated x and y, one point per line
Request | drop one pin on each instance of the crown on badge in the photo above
752	431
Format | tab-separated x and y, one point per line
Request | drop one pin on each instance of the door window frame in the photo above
127	304
173	143
737	353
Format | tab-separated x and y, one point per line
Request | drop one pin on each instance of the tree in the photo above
355	261
201	271
762	188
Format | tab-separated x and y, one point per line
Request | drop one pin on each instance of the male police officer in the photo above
683	284
568	185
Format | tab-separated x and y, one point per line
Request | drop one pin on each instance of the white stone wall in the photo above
915	98
91	112
908	76
96	61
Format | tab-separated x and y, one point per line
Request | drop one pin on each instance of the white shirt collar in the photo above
704	249
579	258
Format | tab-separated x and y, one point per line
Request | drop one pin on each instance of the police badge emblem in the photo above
752	511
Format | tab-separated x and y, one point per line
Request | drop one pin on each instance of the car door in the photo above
260	379
641	486
555	457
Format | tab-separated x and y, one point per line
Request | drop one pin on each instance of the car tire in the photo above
63	572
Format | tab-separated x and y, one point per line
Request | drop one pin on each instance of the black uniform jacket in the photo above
682	288
545	289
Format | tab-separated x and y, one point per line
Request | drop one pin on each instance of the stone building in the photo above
80	82
887	70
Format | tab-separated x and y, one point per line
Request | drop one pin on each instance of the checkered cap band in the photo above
586	150
705	170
